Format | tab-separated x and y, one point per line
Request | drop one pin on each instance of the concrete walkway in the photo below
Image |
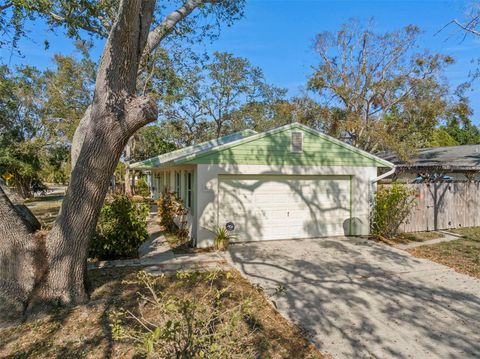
359	299
447	237
156	256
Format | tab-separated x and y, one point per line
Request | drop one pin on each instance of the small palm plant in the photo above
222	238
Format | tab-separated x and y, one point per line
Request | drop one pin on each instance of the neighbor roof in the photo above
190	153
452	158
174	156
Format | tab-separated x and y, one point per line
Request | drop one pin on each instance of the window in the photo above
189	190
167	181
177	184
297	141
159	182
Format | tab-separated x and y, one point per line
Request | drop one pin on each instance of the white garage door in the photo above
285	207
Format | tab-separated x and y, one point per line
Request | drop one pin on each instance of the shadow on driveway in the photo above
361	299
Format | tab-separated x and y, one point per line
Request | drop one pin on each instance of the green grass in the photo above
463	254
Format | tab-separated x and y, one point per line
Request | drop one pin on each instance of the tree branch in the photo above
467	27
141	110
6	6
169	23
85	26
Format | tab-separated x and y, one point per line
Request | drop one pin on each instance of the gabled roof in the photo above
177	155
380	161
188	154
451	158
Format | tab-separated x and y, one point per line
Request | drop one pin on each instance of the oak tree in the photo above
55	271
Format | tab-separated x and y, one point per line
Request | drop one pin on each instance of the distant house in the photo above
453	163
446	181
287	183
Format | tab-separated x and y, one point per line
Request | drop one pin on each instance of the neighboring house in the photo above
446	184
287	183
450	164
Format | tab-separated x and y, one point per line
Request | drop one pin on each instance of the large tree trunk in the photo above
115	114
18	248
35	272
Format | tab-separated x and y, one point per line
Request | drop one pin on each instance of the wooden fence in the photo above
443	206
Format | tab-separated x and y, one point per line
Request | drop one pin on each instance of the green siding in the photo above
275	149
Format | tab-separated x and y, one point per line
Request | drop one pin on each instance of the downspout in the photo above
385	175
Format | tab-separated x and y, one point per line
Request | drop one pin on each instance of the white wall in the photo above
206	208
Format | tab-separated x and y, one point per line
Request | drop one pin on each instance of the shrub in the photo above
186	326
141	188
392	206
169	208
222	238
121	228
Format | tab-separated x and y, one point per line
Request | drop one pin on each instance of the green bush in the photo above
392	206
141	188
121	228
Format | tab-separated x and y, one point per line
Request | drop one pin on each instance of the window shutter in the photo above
297	141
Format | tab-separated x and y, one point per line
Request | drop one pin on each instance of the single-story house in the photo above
448	164
291	182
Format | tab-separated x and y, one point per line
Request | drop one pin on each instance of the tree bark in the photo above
17	257
35	272
113	117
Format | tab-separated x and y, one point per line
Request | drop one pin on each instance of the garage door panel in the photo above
279	207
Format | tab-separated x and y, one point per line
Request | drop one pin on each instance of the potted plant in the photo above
222	238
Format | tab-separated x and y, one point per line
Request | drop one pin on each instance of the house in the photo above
452	164
446	183
287	183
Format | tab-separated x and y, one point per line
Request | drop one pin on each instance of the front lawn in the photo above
46	207
106	328
463	254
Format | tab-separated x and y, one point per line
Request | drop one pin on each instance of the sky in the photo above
278	35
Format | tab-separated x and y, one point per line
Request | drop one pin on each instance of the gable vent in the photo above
297	141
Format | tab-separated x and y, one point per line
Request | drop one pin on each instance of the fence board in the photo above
443	206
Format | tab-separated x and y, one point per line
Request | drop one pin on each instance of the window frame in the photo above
189	190
292	149
178	184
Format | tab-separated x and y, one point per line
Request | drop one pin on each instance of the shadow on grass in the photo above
85	331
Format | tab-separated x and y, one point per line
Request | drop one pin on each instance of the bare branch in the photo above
467	27
168	24
6	6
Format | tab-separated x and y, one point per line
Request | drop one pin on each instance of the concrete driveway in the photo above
358	299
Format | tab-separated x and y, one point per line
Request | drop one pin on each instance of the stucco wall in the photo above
206	208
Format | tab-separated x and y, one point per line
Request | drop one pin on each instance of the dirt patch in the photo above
407	238
86	332
183	247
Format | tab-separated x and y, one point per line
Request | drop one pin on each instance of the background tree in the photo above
385	93
211	95
117	111
149	142
41	110
21	136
